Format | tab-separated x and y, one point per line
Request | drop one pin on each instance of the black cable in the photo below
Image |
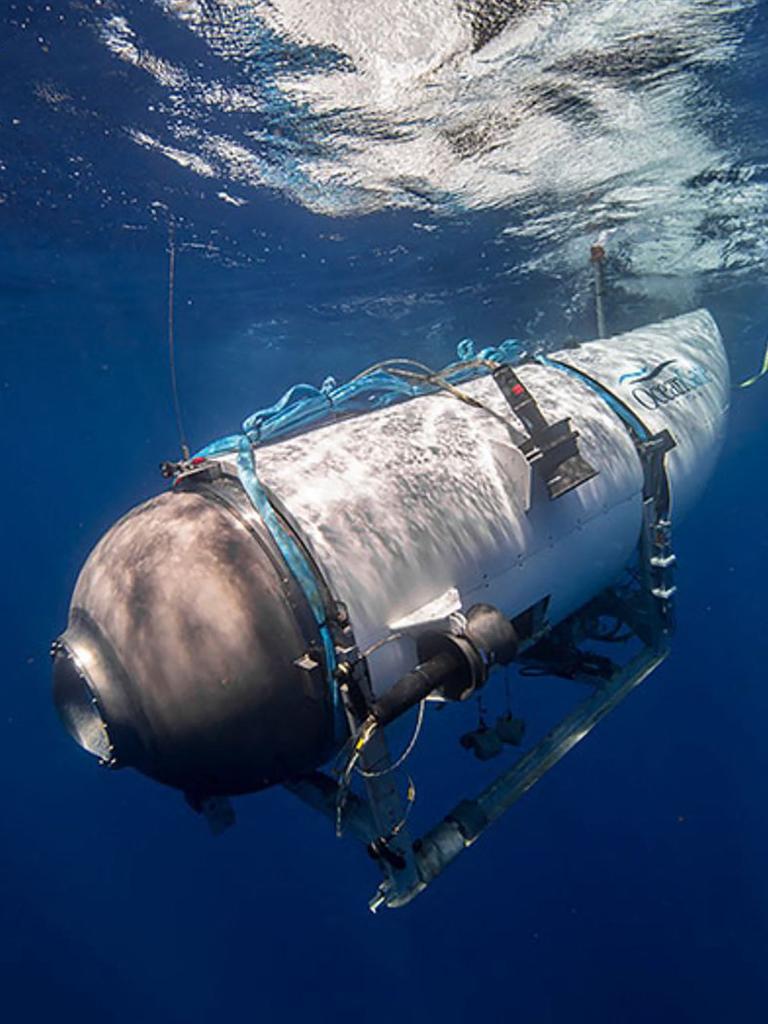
171	338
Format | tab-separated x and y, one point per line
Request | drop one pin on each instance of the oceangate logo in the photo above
644	374
652	387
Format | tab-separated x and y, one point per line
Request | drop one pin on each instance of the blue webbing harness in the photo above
294	557
303	407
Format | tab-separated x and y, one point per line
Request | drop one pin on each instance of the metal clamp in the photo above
551	448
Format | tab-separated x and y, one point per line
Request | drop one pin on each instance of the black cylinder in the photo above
492	633
428	676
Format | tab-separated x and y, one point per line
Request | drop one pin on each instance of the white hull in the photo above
401	506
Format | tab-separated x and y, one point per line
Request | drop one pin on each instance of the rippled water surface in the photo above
525	129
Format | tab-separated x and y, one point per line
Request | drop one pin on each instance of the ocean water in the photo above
351	181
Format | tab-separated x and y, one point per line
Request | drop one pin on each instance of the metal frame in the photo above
375	818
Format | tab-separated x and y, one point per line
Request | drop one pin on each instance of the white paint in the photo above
440	609
401	505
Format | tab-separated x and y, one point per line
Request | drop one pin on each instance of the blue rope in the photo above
294	558
304	406
624	413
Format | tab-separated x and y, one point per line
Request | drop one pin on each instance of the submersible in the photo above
357	551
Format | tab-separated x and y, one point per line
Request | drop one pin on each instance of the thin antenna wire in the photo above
171	338
597	257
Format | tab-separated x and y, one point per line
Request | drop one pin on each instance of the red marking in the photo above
518	389
198	460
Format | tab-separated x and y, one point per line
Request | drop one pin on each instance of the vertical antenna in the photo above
596	256
171	338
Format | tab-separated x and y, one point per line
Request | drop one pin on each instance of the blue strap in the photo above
304	406
294	558
625	414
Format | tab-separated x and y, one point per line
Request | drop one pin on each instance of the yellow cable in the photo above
763	370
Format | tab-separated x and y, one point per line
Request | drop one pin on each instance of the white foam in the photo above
587	116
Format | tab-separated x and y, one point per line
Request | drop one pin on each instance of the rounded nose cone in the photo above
78	707
181	650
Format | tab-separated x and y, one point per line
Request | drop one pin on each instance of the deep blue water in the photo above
630	884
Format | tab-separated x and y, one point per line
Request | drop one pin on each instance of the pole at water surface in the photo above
597	256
